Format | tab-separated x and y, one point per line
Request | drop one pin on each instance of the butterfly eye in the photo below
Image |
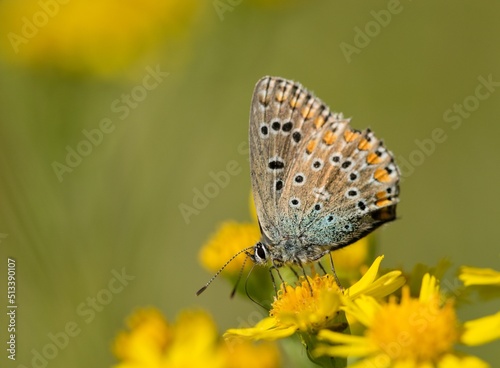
260	251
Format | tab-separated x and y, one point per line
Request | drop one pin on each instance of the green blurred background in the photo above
119	208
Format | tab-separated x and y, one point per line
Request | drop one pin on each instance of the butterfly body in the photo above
318	184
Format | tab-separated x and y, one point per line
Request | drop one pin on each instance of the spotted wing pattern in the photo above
313	176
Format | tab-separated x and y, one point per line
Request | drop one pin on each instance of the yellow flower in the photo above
230	238
153	343
242	354
479	276
416	332
314	303
191	342
103	37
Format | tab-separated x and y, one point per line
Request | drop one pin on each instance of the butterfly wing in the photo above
271	137
313	176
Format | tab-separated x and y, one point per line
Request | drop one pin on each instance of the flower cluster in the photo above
192	341
411	332
368	324
374	322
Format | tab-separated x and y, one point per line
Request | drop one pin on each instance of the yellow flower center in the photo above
415	330
305	309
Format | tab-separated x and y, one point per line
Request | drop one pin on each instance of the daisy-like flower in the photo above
192	341
315	303
416	332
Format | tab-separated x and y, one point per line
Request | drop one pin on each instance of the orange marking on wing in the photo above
280	96
294	102
329	137
310	147
381	195
350	136
372	158
364	145
381	175
319	121
383	202
307	112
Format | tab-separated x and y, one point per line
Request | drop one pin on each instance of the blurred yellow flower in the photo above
314	303
479	276
191	342
352	257
103	37
416	332
152	342
230	238
242	354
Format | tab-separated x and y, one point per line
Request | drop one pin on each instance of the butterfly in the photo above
318	184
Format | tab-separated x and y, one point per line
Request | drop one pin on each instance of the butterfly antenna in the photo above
221	269
239	277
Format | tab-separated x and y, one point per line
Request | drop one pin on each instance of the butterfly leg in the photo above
305	275
335	274
273	280
294	272
281	277
321	267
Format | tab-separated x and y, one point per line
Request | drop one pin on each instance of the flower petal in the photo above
453	361
429	288
358	346
482	330
363	309
367	278
345	350
479	276
340	338
266	329
385	285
